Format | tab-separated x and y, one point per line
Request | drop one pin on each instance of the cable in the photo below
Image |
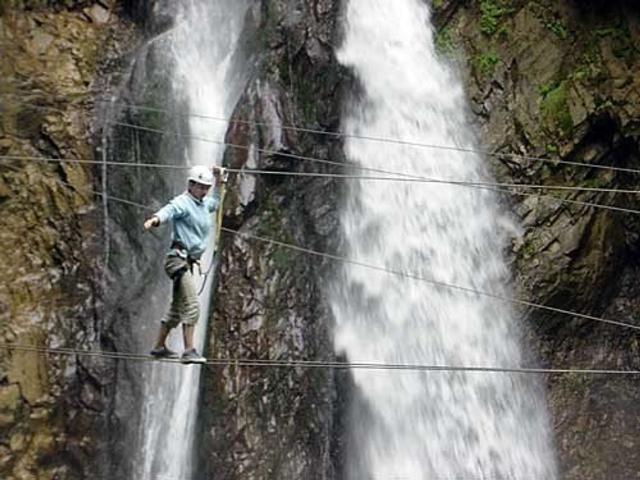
95	192
432	281
406	179
260	172
544	196
314	364
86	161
387	270
512	156
335	134
410	179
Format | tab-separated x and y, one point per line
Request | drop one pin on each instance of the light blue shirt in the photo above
192	220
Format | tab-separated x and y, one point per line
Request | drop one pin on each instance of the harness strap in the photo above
182	253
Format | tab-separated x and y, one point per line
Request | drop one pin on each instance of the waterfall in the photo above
426	425
202	46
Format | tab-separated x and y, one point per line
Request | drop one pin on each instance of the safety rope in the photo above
216	238
314	364
335	134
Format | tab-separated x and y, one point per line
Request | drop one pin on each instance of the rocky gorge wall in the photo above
549	79
544	79
559	80
270	301
56	57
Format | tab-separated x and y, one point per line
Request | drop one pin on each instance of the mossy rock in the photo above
554	109
9	404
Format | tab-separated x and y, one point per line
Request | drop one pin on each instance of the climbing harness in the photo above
216	239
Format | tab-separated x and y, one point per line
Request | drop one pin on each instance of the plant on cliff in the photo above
619	36
491	13
485	63
444	41
551	20
555	109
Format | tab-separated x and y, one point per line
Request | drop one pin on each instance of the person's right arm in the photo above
172	210
151	222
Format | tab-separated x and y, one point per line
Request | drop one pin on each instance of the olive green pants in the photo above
184	299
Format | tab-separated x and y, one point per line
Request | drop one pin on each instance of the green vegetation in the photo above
491	13
574	382
596	182
581	73
272	224
528	249
307	100
544	89
555	108
590	68
444	41
283	259
603	103
622	44
552	148
485	63
550	19
554	25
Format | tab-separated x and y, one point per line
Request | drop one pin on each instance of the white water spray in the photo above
426	425
203	44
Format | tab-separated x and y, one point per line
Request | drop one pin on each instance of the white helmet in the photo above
200	174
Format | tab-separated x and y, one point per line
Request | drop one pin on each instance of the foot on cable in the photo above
192	356
163	352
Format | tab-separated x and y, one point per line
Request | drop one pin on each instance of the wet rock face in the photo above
559	80
277	422
52	408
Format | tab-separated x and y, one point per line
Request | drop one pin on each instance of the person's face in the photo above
198	190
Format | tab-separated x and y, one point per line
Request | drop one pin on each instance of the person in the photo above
192	216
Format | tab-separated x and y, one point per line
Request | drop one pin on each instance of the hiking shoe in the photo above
192	356
163	352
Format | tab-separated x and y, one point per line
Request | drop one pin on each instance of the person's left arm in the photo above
214	199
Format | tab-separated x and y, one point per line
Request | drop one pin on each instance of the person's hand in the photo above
151	222
220	173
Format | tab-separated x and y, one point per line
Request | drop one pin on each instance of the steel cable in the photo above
397	176
314	364
259	172
335	134
399	273
398	179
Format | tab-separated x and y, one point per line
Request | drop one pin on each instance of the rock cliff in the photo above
547	79
270	302
544	80
55	57
559	80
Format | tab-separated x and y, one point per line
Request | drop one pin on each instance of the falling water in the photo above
426	425
202	44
